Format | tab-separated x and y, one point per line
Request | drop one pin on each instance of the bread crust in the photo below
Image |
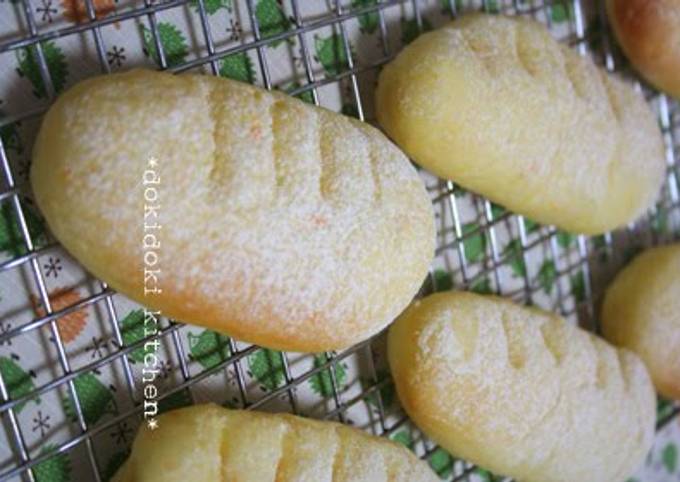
648	31
500	107
641	312
283	224
207	443
520	391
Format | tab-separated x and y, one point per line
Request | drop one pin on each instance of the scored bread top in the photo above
520	391
282	224
208	443
496	104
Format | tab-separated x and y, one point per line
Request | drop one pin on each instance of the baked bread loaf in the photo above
648	31
501	108
207	443
641	312
274	221
521	392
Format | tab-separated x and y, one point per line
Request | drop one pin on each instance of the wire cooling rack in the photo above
90	392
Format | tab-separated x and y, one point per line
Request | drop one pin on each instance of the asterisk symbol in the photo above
47	10
97	347
165	368
152	424
153	162
41	423
234	29
52	267
116	55
4	328
120	435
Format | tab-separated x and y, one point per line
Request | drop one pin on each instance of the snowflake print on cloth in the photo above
121	434
97	347
41	423
234	29
52	267
5	327
116	56
46	10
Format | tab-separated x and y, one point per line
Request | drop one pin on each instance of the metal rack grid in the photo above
457	238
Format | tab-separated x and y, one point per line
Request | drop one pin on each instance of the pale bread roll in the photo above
500	107
206	443
521	392
648	31
283	224
641	312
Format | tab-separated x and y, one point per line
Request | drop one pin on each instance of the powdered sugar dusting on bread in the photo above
283	224
521	391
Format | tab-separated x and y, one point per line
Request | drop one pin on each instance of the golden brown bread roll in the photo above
641	312
207	443
283	224
500	107
649	34
520	391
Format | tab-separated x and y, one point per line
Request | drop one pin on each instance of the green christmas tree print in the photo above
271	19
513	255
237	67
669	457
482	287
209	348
331	54
547	275
490	6
474	242
266	367
9	133
95	399
663	408
132	331
387	390
28	67
530	225
54	469
561	12
322	383
441	462
404	438
212	6
578	286
305	96
448	5
486	476
659	222
441	280
113	464
18	382
565	239
179	399
368	22
410	30
11	239
172	41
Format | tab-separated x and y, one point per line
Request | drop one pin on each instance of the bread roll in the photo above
283	224
207	443
500	107
641	312
521	392
649	34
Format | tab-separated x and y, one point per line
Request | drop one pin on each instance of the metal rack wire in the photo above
456	266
